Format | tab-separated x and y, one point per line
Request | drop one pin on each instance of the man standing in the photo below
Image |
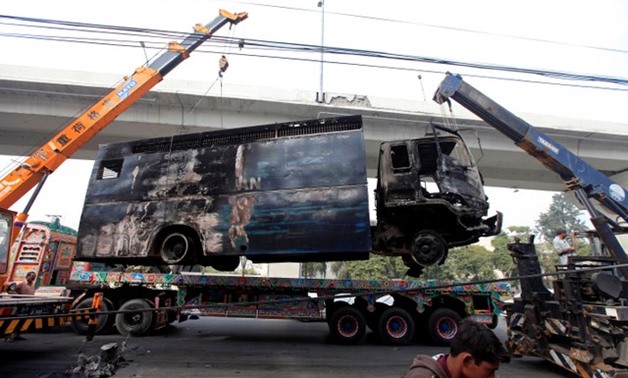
562	247
475	352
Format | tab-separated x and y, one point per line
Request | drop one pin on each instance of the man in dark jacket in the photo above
475	352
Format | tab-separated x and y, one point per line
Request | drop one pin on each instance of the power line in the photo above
283	46
453	28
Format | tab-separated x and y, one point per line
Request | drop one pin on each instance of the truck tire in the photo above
134	323
396	327
347	325
443	326
175	248
428	248
80	325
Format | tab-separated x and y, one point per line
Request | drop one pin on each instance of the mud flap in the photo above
161	318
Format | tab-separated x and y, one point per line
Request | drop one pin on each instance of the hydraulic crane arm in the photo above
47	158
587	181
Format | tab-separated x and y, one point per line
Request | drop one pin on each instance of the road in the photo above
218	347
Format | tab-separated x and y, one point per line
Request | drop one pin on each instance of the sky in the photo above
574	37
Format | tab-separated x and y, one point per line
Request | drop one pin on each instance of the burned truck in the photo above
294	191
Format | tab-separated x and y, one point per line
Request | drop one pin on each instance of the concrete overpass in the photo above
36	102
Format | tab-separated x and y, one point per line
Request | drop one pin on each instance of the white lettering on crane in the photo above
11	183
124	92
547	144
617	192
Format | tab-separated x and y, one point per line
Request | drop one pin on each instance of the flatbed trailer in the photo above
396	310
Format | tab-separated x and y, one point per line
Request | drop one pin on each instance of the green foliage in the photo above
561	214
502	260
468	263
314	269
376	267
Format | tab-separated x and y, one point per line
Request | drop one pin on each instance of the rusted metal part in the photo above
579	326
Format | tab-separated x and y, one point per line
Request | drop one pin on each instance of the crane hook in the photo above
223	64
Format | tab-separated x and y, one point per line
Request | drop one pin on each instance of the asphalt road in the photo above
218	347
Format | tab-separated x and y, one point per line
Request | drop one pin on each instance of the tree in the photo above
314	269
502	260
376	267
468	263
561	214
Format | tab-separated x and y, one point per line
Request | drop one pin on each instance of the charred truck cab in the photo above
430	197
294	191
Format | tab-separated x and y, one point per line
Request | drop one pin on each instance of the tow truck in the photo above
33	172
582	325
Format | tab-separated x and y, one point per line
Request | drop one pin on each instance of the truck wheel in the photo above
134	323
347	325
175	248
428	248
80	325
443	326
396	327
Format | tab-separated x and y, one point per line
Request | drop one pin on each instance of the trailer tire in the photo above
81	325
347	325
443	326
396	326
134	323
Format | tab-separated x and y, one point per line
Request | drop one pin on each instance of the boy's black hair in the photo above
479	341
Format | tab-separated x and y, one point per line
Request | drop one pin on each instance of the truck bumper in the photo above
494	224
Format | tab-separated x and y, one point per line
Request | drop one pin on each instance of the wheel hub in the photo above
428	249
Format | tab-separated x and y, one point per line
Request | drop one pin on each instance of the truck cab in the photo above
6	224
430	197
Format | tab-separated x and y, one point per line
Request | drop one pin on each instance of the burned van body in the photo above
294	191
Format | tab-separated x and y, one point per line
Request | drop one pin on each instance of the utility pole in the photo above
320	97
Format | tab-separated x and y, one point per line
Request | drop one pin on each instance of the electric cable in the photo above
284	46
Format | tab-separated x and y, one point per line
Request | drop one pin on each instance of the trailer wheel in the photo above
80	325
134	323
347	325
175	248
396	327
443	326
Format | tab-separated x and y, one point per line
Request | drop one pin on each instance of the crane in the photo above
35	169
